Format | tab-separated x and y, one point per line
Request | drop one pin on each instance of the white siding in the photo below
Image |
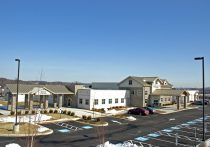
156	85
92	95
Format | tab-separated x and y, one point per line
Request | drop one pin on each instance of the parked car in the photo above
138	111
200	102
150	109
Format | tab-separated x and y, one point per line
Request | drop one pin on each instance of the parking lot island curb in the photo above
27	135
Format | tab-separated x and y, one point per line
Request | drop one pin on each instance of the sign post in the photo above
60	111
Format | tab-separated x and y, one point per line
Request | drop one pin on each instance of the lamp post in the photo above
16	126
202	58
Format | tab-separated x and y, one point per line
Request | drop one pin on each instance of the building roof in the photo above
145	81
169	92
105	85
25	89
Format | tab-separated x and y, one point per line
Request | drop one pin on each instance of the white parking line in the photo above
170	142
68	126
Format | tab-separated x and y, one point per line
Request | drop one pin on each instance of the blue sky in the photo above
105	40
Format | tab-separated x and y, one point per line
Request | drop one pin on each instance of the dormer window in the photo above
130	82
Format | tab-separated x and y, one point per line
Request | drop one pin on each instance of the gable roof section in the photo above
57	89
25	89
22	89
145	81
169	92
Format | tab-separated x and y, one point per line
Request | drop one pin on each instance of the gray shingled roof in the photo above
169	92
146	81
25	89
57	89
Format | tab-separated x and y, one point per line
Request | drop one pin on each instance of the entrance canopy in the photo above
170	92
38	89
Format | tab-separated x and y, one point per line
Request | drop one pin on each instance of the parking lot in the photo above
177	129
186	135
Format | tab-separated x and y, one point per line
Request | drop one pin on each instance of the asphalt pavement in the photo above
120	130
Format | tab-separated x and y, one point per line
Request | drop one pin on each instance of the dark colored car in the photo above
150	109
138	111
200	102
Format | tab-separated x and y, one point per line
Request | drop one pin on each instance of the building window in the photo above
110	101
130	82
161	99
116	101
122	100
139	92
103	101
132	92
146	92
169	99
165	99
96	102
80	101
86	102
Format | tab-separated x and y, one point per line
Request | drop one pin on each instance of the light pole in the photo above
202	58
16	126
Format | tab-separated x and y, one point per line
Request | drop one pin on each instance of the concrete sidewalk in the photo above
173	108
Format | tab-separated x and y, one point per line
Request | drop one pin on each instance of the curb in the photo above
48	132
58	120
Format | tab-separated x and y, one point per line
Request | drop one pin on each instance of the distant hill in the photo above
207	89
4	81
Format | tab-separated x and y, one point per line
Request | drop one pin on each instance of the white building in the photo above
98	99
193	95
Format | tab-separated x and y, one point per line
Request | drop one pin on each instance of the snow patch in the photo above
28	118
13	145
42	129
125	144
131	118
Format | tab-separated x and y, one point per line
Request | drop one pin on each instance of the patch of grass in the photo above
122	116
57	115
25	128
93	122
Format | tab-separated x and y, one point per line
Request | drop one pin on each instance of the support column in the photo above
30	102
185	102
55	101
9	101
41	102
26	101
60	101
178	102
13	103
46	101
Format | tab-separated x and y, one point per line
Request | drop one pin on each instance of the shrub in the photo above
45	111
84	117
102	110
64	111
69	112
42	111
12	113
19	113
55	111
89	117
33	112
26	112
98	119
72	114
51	111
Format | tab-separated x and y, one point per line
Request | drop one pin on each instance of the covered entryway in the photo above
167	96
43	94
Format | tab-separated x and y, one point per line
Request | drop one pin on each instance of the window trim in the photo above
123	100
110	101
80	101
103	100
116	102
